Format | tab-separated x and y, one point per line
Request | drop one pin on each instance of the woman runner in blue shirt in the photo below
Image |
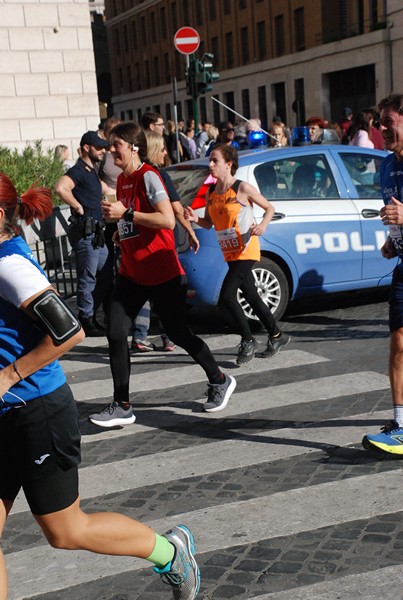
39	432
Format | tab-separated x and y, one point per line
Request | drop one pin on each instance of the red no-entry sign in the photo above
186	40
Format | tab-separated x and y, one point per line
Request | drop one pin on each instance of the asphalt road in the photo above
283	500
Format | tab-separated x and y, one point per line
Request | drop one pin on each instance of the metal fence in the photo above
50	245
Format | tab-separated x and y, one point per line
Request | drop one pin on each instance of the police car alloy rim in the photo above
272	287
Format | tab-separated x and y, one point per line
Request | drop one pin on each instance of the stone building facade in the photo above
48	87
326	54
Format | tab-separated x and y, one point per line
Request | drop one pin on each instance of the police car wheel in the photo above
273	289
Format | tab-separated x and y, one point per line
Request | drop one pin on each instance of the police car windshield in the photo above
188	181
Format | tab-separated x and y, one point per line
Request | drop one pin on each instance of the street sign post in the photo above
186	40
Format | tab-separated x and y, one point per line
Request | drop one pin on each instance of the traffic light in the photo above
204	74
200	76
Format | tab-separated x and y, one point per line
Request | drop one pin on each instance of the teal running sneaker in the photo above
389	441
182	573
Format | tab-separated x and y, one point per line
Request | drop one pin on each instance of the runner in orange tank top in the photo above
229	208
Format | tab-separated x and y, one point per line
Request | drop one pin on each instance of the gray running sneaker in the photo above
218	394
182	573
142	346
113	415
274	345
246	351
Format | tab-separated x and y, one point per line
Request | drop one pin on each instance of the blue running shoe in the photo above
389	441
182	573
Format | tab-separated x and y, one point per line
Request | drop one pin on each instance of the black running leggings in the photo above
240	276
169	302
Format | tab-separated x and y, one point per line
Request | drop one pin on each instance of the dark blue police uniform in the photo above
84	234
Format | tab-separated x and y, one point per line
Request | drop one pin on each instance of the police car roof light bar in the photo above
245	119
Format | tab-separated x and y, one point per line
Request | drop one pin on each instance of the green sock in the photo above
163	551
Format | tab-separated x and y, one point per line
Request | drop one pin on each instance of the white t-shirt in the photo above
20	279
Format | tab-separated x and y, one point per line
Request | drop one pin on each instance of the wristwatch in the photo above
128	215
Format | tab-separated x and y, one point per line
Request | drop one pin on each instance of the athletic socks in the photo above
163	552
398	414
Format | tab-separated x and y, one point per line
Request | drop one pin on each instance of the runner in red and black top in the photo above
149	270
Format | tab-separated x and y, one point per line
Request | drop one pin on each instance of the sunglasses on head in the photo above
229	129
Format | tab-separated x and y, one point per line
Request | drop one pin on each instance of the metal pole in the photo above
190	62
175	101
244	118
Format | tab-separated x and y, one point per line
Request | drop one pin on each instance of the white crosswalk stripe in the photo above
307	509
283	513
186	374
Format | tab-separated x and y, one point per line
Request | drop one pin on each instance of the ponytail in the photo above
35	203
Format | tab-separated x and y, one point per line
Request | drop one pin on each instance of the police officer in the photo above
82	190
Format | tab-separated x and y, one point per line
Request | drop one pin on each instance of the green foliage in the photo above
33	165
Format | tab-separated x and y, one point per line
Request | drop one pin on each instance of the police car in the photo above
326	232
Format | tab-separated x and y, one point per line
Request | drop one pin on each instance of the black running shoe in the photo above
246	351
274	345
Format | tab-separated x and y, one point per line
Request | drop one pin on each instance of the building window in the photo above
129	80
245	104
121	84
153	27
229	48
279	35
199	12
146	74
227	7
134	35
298	105
179	66
163	23
174	19
117	42
189	109
262	103
244	46
156	69
185	11
242	3
143	31
212	10
299	27
137	82
215	52
230	102
168	113
261	40
203	109
278	95
139	113
130	115
167	71
126	38
373	13
216	110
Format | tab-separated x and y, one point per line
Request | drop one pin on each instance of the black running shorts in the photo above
396	299
40	452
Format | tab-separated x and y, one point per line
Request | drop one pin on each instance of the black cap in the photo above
277	119
92	138
347	112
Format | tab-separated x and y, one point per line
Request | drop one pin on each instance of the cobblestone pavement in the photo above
282	496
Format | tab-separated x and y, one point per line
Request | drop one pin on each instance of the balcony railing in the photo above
351	30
